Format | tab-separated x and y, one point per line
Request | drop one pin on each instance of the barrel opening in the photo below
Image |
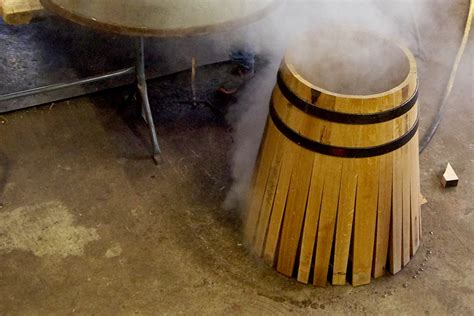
350	63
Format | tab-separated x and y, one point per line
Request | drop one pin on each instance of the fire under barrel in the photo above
335	192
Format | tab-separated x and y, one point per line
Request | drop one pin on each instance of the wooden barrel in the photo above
335	192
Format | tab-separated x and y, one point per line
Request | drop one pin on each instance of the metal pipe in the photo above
428	137
65	85
142	89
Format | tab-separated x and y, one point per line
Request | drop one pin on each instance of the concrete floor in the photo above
89	225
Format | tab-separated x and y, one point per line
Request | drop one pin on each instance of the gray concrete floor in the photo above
89	225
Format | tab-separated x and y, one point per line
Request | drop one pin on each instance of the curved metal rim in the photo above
180	32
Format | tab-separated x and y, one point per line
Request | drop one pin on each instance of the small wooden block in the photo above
450	179
423	199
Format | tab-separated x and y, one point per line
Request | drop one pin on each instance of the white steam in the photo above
398	20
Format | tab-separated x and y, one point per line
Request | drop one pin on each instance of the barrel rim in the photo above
412	71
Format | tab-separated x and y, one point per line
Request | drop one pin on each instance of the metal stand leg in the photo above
142	89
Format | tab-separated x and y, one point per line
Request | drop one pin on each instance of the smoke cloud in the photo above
397	20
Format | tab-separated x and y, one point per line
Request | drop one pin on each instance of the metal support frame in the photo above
65	85
138	70
142	89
